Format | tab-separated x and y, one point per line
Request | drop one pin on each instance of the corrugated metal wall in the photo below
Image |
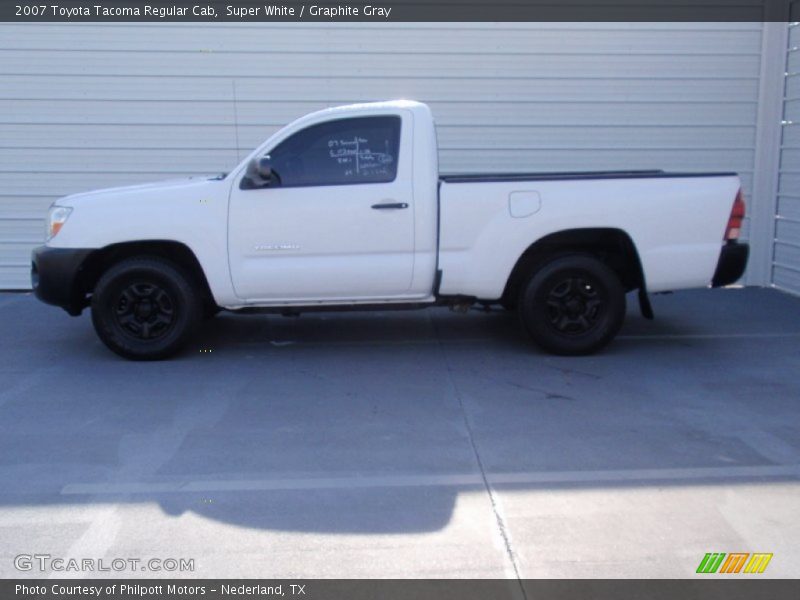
86	106
786	256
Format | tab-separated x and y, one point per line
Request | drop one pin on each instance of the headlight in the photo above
56	219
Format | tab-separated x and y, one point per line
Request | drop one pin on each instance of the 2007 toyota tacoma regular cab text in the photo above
345	208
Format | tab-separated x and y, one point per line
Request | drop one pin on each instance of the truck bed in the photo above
566	175
676	221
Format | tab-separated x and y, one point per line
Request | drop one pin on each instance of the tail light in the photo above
736	218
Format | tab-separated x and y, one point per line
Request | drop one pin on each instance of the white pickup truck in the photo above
345	208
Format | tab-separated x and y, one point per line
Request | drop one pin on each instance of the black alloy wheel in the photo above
145	308
572	304
575	304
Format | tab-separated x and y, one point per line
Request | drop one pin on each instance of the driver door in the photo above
335	222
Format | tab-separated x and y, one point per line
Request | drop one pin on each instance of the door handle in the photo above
390	205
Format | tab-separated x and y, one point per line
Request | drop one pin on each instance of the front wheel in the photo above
145	308
573	304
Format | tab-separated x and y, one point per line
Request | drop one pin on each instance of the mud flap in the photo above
644	304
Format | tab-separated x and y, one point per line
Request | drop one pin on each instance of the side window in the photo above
340	152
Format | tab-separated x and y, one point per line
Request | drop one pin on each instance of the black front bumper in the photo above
731	265
56	277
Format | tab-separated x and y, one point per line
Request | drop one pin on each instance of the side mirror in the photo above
264	168
259	174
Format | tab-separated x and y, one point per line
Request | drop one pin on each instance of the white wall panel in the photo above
786	254
87	105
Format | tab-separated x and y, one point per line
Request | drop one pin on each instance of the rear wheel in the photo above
573	304
145	308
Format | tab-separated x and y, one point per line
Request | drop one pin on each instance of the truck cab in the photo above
342	207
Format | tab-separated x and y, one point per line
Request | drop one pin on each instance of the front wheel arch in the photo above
103	259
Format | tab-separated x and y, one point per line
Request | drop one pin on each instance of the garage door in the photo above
786	256
87	106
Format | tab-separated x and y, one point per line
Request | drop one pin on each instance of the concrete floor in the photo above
407	444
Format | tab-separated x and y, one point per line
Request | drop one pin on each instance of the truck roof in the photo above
367	106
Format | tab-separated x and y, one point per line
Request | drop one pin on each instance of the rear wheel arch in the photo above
612	246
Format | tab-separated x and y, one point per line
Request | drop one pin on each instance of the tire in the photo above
145	308
572	305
